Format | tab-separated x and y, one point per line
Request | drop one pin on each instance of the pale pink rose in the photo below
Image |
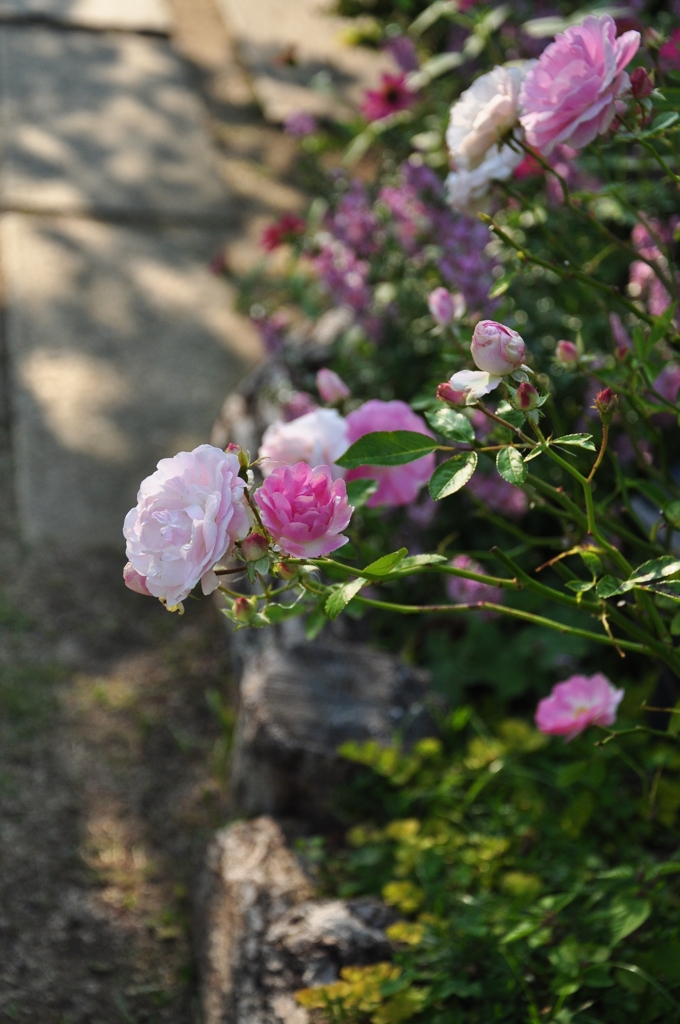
575	704
571	95
496	349
466	190
397	485
445	307
483	115
466	386
331	387
134	581
188	515
463	591
318	438
305	510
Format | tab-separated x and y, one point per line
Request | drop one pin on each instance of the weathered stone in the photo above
129	15
102	123
122	345
299	701
260	935
297	57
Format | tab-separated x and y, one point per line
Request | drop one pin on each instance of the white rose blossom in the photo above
479	119
318	438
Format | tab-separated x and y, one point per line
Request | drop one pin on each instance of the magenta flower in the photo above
286	229
669	54
331	387
463	591
571	94
305	510
397	485
575	704
390	97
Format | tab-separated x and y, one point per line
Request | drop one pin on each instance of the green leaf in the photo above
674	723
510	465
315	622
577	441
502	284
661	124
280	612
626	914
452	475
387	448
414	561
451	424
383	566
610	586
670	590
591	562
663	322
580	586
655	569
359	491
340	597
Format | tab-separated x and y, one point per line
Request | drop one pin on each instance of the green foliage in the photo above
532	879
387	448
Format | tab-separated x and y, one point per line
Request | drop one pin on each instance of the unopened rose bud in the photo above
244	609
653	40
606	403
135	581
497	349
331	387
526	397
641	83
441	305
285	571
233	449
566	354
254	547
445	393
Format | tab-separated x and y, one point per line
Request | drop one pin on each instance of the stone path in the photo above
121	344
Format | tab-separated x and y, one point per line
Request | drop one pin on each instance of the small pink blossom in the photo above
571	95
188	515
667	384
305	510
464	591
445	307
498	495
446	393
497	349
669	54
575	704
390	97
397	485
566	354
300	124
331	387
318	438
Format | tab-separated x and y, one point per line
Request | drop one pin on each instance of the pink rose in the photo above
577	703
571	95
442	306
463	591
496	349
331	387
134	581
397	485
566	354
305	510
317	438
189	513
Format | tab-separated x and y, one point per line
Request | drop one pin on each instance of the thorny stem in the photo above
600	454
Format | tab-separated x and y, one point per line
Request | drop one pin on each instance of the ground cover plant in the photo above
477	452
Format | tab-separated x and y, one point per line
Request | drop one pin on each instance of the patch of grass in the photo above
27	699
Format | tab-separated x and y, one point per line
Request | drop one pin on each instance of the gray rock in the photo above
122	345
102	123
297	59
261	936
299	701
129	15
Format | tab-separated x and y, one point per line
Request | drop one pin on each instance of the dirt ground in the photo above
114	715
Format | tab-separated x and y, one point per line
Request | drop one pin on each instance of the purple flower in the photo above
300	124
463	591
354	223
643	283
402	50
344	275
271	330
498	495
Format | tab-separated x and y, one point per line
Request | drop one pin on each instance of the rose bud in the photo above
244	609
445	393
254	547
606	403
496	349
641	83
526	397
441	305
331	387
566	354
286	571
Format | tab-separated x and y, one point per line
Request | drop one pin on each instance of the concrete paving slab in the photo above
127	15
102	123
296	56
122	346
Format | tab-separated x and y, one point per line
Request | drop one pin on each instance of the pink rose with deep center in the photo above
575	704
497	349
397	485
305	510
188	515
571	94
